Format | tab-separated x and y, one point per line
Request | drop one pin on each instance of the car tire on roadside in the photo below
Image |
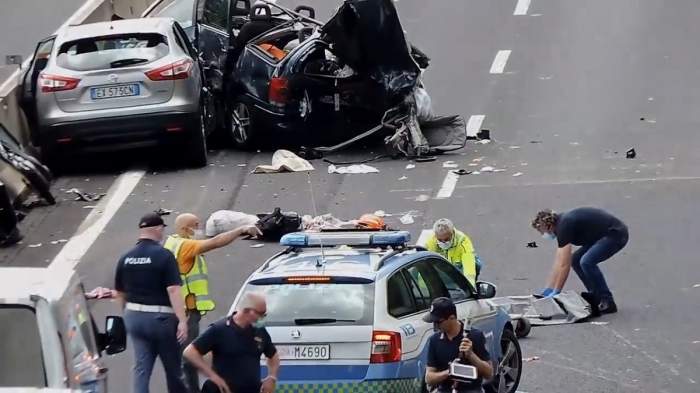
522	327
196	148
511	362
242	131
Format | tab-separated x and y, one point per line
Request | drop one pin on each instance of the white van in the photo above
48	339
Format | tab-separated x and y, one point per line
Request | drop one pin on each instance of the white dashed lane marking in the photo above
522	7
500	61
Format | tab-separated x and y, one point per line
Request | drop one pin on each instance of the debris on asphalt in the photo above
163	212
574	143
696	286
476	173
403	178
242	165
484	141
462	172
85	196
531	359
478	159
407	219
518	174
258	245
600	323
34	245
535	141
59	241
631	153
450	164
380	213
696	342
514	147
473	164
89	207
488	169
499	170
422	198
410	166
352	169
484	134
227	220
532	245
523	164
425	159
285	161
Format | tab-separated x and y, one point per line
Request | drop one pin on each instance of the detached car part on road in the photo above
49	338
348	317
118	85
281	74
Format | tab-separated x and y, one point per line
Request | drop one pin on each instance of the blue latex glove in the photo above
554	292
546	292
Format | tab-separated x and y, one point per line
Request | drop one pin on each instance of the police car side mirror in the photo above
485	290
113	340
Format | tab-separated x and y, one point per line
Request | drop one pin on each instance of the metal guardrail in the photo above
10	113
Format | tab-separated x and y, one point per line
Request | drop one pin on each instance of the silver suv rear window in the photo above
317	304
114	51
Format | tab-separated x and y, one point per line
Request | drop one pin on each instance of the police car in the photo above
345	312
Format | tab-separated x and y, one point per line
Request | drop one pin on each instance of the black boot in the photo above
593	301
607	306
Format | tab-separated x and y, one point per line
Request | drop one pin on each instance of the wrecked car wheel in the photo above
242	133
510	365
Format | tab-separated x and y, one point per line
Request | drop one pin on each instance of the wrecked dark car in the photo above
281	75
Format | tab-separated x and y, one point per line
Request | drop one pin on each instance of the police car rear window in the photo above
318	304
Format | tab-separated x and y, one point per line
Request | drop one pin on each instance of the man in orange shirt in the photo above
188	246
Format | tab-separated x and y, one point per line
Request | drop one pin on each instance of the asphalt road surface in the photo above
582	83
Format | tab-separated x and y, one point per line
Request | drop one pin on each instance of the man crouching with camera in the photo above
458	361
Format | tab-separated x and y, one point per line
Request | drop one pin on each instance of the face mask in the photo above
548	236
259	324
445	245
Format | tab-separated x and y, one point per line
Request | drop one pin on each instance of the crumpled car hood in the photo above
367	34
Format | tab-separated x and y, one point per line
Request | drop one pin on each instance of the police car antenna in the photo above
320	262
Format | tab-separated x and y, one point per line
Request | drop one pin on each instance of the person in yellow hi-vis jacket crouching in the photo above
456	247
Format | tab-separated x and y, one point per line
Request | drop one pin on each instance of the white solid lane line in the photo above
522	7
499	62
448	186
474	125
424	234
96	221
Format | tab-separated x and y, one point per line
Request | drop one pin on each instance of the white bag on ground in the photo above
285	161
227	220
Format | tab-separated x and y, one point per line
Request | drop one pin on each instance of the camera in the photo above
463	372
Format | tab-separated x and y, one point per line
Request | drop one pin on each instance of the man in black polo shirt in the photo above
236	343
148	286
599	234
452	344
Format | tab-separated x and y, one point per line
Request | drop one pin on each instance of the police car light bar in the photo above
371	239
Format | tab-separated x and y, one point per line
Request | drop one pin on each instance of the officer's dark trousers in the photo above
191	372
154	334
586	259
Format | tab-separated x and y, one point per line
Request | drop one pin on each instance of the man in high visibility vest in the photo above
456	247
188	246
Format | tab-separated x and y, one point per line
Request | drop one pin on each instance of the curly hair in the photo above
545	219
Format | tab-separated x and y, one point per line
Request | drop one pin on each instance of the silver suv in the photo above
118	85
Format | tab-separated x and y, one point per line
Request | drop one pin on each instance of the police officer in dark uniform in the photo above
236	343
148	285
453	343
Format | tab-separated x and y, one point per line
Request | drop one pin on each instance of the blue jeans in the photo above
586	259
155	334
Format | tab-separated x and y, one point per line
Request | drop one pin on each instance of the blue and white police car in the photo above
345	312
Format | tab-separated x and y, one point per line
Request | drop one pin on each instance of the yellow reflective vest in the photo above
195	283
461	253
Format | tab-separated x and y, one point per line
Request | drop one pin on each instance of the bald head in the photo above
185	224
252	300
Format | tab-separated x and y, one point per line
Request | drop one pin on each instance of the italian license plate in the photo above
114	91
304	352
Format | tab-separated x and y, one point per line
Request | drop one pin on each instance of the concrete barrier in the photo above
10	113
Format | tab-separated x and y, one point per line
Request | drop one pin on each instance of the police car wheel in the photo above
510	365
